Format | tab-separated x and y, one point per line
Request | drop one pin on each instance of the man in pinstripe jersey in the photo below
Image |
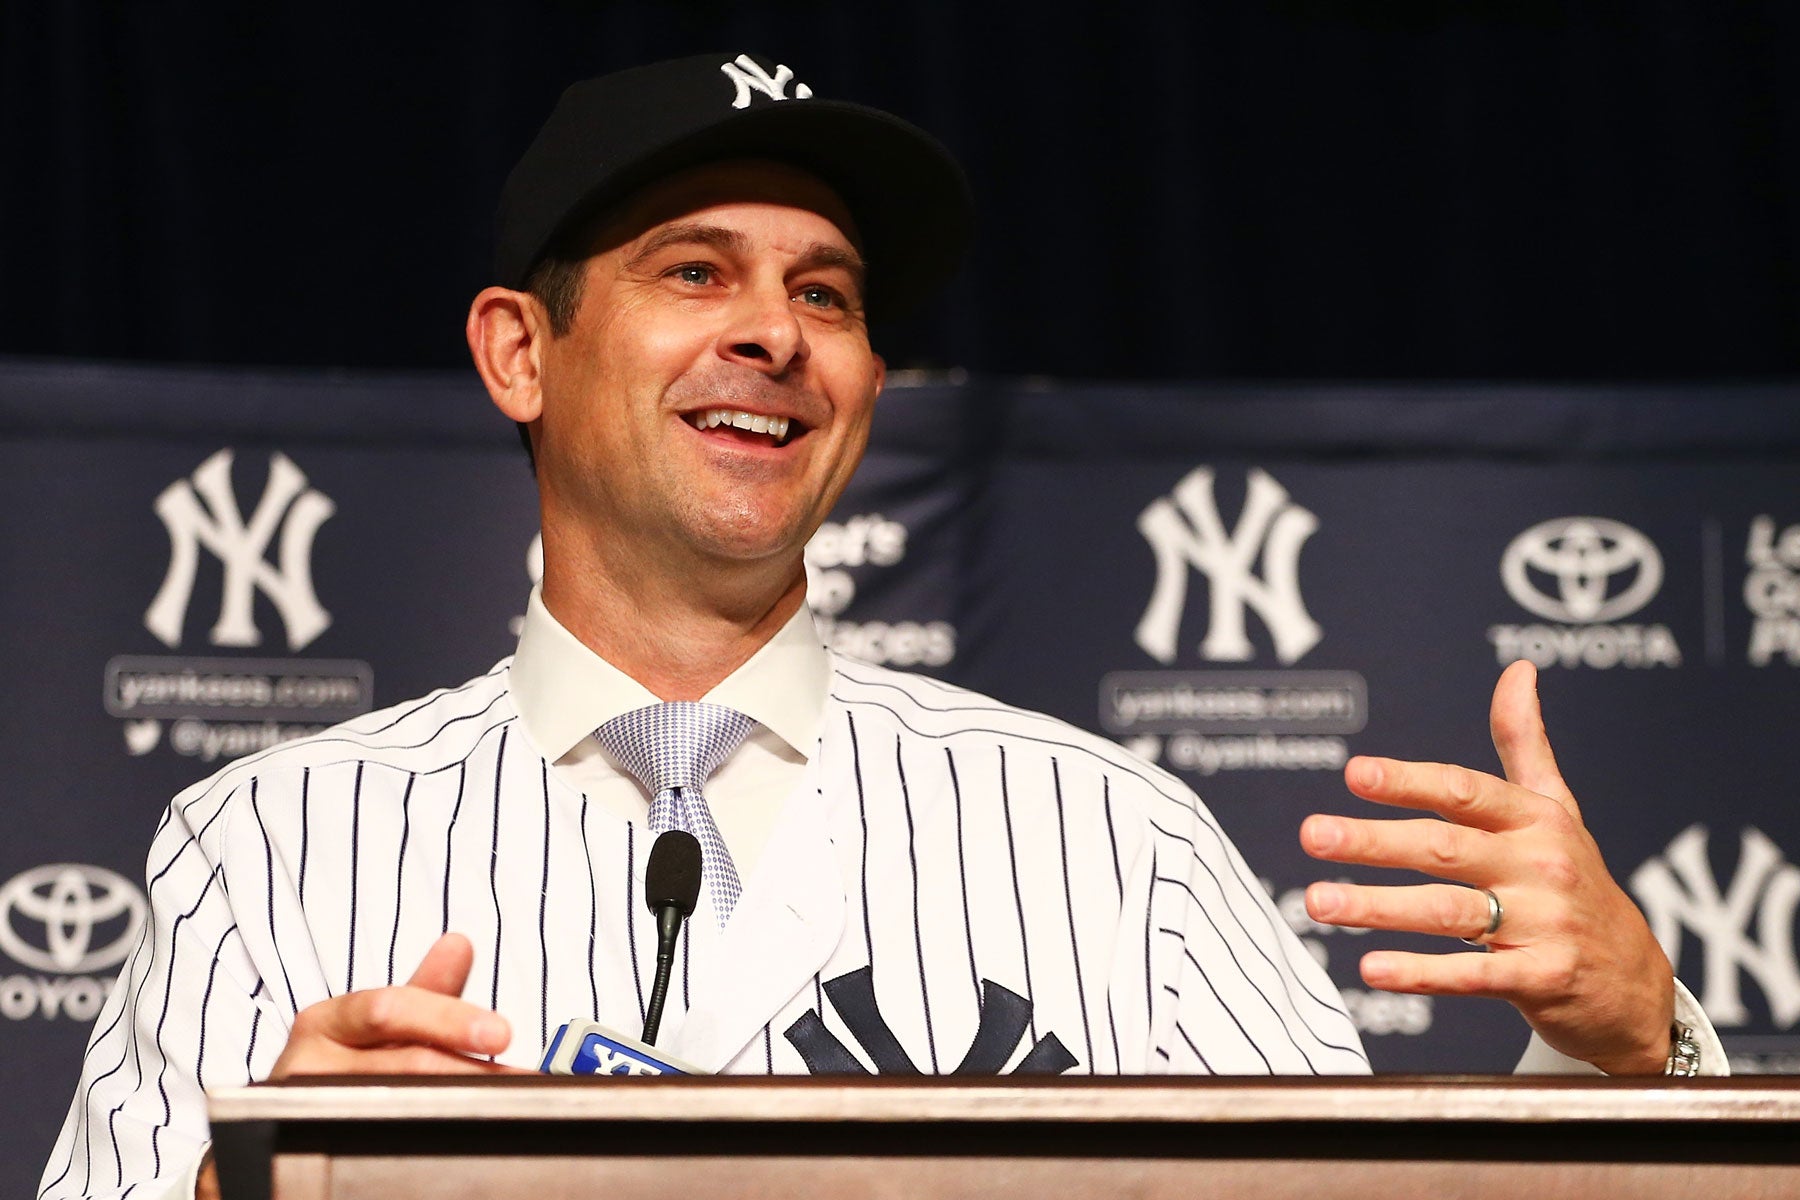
933	881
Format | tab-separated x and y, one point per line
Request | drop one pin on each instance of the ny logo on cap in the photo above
748	74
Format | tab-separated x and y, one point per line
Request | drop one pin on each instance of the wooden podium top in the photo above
542	1138
1452	1099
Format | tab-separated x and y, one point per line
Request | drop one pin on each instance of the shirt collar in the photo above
563	691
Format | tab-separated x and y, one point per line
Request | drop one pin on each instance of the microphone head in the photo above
673	874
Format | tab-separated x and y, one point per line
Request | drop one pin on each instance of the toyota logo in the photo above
70	918
1599	570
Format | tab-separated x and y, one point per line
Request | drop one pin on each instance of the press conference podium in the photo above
541	1138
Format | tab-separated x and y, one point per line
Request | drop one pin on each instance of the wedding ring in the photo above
1496	912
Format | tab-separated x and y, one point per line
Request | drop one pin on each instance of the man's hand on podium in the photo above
1571	951
421	1028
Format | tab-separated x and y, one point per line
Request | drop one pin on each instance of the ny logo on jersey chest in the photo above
1005	1021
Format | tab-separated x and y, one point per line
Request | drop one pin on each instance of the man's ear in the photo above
504	331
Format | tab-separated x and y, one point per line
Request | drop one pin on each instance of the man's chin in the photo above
737	544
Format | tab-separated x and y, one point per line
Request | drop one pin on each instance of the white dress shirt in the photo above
564	691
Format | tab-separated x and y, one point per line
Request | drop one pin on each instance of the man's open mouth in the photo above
775	429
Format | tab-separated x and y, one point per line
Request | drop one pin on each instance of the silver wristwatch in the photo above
1684	1051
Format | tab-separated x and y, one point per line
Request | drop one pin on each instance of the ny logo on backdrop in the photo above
1678	890
749	76
1186	533
203	511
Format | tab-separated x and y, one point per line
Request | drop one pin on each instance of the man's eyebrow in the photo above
690	233
824	255
693	233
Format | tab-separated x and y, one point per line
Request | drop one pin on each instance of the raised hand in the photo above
1571	951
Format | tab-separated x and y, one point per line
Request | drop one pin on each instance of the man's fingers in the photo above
405	1016
398	1060
1475	973
445	967
1456	793
1437	908
1434	847
1516	722
422	1027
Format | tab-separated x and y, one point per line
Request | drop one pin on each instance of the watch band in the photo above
1684	1052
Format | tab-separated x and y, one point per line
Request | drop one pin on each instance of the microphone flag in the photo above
590	1048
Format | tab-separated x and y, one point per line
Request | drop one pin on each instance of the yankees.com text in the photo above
139	689
1137	707
171	687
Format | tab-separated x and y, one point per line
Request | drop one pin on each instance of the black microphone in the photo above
671	888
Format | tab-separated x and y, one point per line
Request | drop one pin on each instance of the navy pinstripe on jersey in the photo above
956	882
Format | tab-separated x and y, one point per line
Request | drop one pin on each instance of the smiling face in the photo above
713	394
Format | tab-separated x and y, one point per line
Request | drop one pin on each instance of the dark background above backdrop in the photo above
1393	189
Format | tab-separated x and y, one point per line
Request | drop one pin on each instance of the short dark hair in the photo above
556	280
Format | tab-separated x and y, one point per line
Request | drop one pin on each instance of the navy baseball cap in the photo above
610	137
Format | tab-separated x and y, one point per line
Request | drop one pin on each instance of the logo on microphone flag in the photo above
589	1048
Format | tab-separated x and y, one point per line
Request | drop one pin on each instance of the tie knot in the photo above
674	745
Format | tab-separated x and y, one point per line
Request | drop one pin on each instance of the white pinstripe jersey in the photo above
957	884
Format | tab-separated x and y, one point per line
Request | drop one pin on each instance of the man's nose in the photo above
764	332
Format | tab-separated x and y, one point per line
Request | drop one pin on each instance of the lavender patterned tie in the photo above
672	748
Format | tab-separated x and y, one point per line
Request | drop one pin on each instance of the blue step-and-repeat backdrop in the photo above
1244	584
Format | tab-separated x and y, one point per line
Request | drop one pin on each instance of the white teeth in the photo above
775	427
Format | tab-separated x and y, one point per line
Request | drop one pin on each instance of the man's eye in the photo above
817	296
693	273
